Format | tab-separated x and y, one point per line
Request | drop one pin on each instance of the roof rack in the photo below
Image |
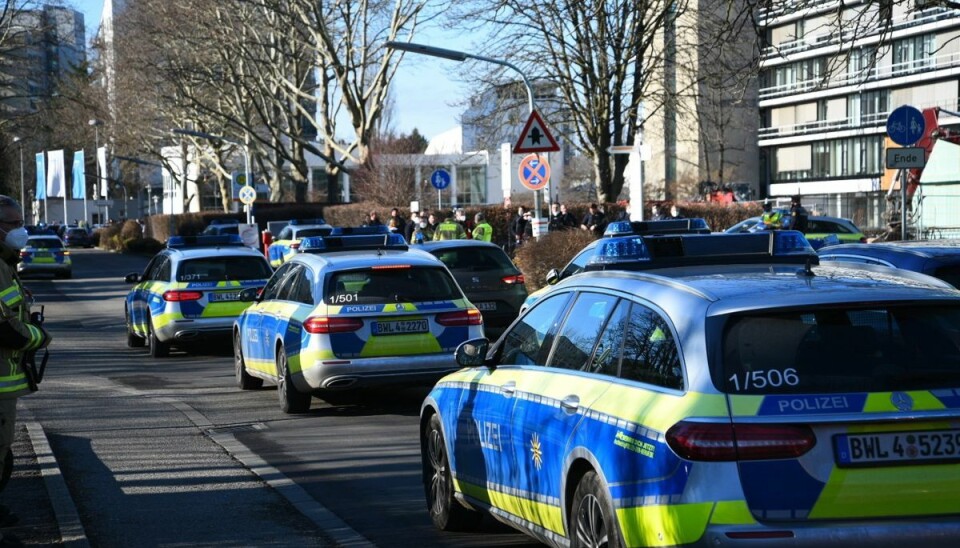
204	241
638	252
352	242
693	225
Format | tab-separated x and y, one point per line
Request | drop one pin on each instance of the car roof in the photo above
367	258
207	251
744	287
918	248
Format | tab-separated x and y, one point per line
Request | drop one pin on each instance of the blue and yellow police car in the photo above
45	254
709	390
349	313
287	242
191	290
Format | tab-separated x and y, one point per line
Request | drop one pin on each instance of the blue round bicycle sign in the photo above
905	125
440	179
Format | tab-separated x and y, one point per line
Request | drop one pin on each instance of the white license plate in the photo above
42	254
224	296
400	327
897	447
486	307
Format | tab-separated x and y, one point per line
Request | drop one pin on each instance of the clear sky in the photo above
423	89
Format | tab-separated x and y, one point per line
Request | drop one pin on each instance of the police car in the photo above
191	290
712	390
287	242
348	313
938	258
45	254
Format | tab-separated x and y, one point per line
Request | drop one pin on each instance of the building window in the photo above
471	185
914	53
856	156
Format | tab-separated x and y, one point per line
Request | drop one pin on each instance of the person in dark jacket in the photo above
374	220
594	220
518	228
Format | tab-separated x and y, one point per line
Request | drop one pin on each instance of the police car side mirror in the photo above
249	294
132	278
553	276
472	353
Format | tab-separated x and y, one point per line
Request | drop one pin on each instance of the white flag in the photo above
102	162
56	175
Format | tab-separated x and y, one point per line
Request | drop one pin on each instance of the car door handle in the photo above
571	403
509	387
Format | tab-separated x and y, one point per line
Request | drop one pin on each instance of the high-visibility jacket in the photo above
449	230
483	231
773	219
17	335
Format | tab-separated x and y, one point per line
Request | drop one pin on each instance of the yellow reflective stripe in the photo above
664	525
745	406
11	296
732	512
548	516
36	336
878	492
14	383
882	402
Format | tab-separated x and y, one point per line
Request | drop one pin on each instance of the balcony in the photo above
822	126
832	81
848	36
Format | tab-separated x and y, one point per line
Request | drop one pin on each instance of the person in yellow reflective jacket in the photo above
772	219
482	231
449	229
17	334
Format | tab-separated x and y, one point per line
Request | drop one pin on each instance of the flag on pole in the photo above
56	184
102	162
41	178
79	177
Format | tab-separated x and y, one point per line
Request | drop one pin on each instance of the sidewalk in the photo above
37	493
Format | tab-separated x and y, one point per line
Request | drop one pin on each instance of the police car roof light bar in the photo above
327	244
204	241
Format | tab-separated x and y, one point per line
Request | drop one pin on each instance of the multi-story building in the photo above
832	71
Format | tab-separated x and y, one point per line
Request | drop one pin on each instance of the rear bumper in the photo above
186	330
351	374
934	532
44	268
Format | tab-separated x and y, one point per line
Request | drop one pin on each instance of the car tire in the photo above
446	513
133	340
158	348
292	401
245	381
593	521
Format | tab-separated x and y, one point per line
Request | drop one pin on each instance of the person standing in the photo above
17	335
594	220
518	228
374	220
411	226
556	218
566	218
772	218
656	214
449	229
396	223
799	217
482	231
675	212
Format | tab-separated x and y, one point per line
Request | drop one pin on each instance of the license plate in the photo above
224	296
400	327
486	307
895	448
42	254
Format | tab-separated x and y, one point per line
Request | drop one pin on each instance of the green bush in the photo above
147	246
554	250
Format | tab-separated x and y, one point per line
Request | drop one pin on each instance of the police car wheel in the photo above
245	381
291	400
593	523
447	514
158	348
134	340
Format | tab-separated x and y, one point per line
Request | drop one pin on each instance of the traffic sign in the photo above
905	125
906	158
534	171
248	195
440	179
535	137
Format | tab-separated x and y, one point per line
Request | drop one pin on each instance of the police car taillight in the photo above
295	245
180	296
730	442
511	280
320	325
471	316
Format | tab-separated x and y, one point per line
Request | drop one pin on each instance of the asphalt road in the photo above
162	452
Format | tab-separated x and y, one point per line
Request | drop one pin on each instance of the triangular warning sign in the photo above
535	137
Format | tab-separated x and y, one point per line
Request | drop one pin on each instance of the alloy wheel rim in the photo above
591	529
438	465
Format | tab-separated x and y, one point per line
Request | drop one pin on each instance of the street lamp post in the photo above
246	157
461	56
96	162
23	194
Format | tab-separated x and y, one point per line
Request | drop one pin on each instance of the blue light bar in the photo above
322	244
694	225
204	241
616	250
317	221
790	242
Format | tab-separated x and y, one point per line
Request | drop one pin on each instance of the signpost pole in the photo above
903	204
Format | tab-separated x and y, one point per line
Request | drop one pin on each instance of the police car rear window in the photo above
841	349
221	269
474	259
46	243
401	284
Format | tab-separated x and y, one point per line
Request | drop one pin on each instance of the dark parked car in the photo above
938	258
488	278
77	237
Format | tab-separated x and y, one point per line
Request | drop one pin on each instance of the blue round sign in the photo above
440	179
905	125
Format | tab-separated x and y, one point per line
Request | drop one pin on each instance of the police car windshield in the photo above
221	269
402	284
474	259
877	348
